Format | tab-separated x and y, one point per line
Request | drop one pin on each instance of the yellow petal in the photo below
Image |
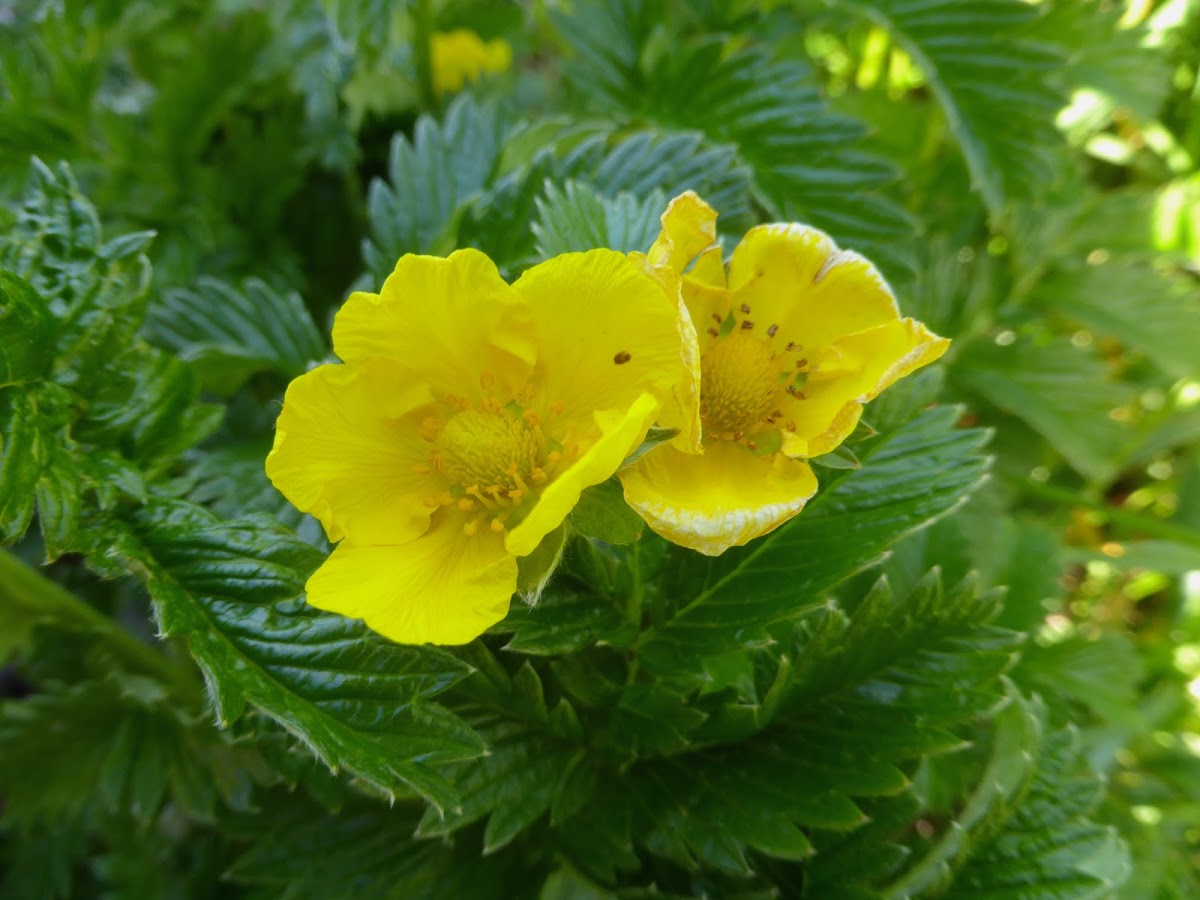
348	451
722	499
689	225
855	370
794	276
620	434
449	320
607	333
442	588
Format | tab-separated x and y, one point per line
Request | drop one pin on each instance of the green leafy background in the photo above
970	668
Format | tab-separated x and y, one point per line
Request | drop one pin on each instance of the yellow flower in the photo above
460	56
794	338
467	416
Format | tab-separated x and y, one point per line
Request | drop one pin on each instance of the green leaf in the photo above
227	333
26	331
132	748
96	290
514	784
1130	301
907	480
603	514
1062	392
1008	770
430	180
575	217
359	701
1047	848
995	86
565	620
806	166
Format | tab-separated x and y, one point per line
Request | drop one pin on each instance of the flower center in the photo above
493	455
737	384
486	448
744	375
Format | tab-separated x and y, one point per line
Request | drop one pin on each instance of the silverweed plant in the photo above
608	449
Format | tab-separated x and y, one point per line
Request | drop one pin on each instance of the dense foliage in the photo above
971	667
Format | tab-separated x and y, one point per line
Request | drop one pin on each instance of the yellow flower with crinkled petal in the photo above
459	56
794	337
463	423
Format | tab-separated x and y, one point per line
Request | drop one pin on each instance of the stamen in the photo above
447	499
466	504
431	428
790	425
801	363
745	307
747	325
553	457
487	381
475	492
793	346
771	331
538	475
750	445
497	526
718	318
516	495
556	408
799	395
470	528
714	332
431	501
531	418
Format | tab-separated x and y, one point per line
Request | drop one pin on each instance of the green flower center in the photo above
488	449
744	376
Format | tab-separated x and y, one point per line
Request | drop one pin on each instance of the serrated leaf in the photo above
992	82
359	701
26	331
227	333
430	181
565	620
575	218
908	480
768	108
1060	391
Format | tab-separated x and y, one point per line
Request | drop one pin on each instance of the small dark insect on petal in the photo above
623	357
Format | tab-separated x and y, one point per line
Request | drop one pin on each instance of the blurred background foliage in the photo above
1026	175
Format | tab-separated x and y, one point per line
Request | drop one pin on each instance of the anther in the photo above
750	445
538	475
790	425
497	526
747	325
793	346
716	317
801	363
516	494
553	457
431	428
447	499
466	504
556	408
487	381
745	307
470	528
431	502
771	331
714	332
531	418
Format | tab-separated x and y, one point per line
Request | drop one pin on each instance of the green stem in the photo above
1135	521
24	588
423	53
